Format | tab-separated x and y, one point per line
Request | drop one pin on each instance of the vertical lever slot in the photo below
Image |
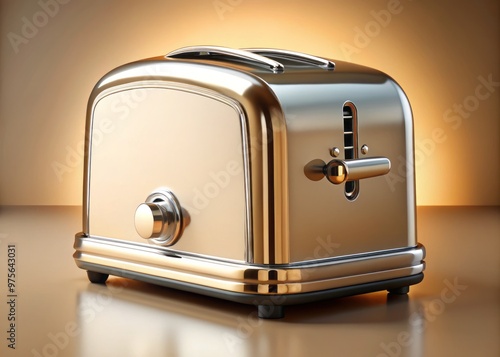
350	118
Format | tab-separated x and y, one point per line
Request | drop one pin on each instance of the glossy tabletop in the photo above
455	311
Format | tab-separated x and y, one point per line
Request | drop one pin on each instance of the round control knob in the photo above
150	219
159	219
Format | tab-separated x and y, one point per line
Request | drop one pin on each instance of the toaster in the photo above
261	176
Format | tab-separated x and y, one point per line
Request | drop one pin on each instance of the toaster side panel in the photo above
324	222
149	136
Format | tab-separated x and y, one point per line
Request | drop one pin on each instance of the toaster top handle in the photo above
197	51
297	56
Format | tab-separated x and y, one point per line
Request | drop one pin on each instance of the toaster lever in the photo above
338	171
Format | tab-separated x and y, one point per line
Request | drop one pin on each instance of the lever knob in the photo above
160	218
335	171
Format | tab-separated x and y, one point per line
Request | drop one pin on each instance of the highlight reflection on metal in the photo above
327	64
233	277
215	50
339	171
160	218
240	147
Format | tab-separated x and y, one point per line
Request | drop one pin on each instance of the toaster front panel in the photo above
327	220
150	137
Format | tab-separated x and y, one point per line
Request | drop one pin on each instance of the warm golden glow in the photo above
444	55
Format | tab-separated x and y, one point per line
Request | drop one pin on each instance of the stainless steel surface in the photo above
339	171
267	123
453	312
230	141
252	156
314	170
315	275
335	151
327	64
385	125
197	51
210	186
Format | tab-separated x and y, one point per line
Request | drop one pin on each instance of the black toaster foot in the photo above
400	291
271	311
96	277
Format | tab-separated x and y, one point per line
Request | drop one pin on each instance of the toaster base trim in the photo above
269	306
251	284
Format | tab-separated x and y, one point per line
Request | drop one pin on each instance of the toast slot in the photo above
350	118
296	56
199	51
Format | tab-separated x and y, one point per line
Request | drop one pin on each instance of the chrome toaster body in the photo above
261	176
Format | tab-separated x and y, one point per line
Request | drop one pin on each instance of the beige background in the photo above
441	52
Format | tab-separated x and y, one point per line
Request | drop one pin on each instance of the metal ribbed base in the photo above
267	287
